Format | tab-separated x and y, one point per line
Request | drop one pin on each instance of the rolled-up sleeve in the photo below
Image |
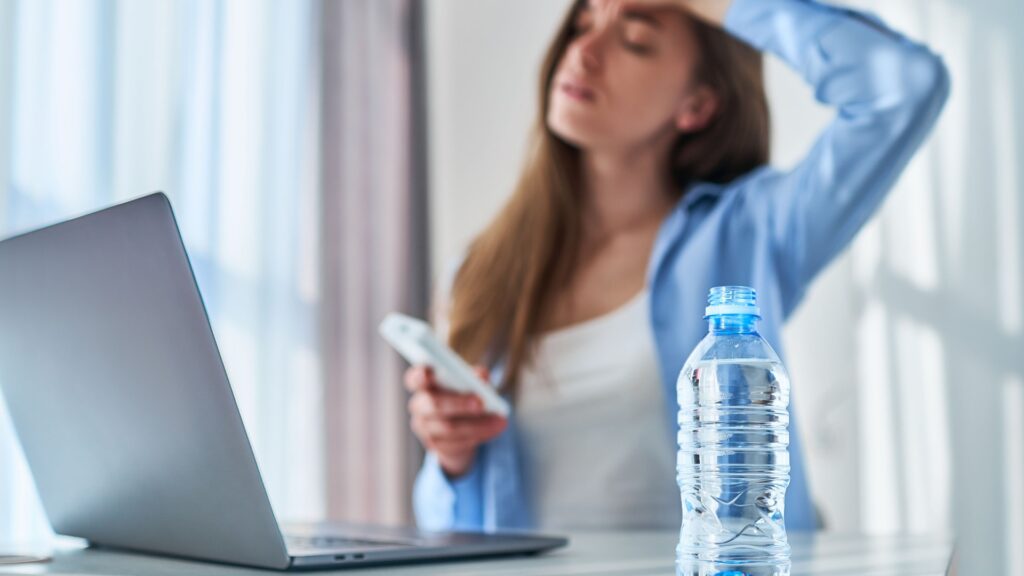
444	504
887	92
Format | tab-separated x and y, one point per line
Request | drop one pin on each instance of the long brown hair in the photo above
513	269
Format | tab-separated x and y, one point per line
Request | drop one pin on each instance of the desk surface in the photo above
594	553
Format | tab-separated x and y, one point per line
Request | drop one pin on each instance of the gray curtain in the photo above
374	248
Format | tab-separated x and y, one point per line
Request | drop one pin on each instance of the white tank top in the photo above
596	452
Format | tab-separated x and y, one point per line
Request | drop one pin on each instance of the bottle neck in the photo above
732	324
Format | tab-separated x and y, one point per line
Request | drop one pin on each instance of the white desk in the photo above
596	553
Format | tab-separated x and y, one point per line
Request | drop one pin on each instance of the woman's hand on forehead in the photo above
713	11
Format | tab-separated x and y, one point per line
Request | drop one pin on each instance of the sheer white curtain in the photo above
219	104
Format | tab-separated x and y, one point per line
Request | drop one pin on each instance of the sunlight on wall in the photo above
923	429
1008	189
939	286
952	23
917	258
880	503
897	267
1013	456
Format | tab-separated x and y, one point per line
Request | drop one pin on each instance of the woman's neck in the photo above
625	190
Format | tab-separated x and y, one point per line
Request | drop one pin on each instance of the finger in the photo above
616	10
492	427
452	404
482	372
416	425
418	378
460	445
445	404
445	446
435	435
478	430
450	429
422	404
436	432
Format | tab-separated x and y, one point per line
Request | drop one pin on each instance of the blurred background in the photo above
328	159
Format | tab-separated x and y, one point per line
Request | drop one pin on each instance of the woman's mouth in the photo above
577	91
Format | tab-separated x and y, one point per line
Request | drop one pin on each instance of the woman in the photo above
648	185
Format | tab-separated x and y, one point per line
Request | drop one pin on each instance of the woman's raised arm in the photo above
887	92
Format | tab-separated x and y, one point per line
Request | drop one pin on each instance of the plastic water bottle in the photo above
733	460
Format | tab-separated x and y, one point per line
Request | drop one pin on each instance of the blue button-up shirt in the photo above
770	229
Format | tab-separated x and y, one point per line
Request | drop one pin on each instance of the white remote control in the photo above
415	341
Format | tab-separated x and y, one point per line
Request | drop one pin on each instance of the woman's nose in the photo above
589	50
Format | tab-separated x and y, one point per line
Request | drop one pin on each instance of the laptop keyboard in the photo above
329	542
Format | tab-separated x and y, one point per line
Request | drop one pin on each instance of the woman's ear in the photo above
696	110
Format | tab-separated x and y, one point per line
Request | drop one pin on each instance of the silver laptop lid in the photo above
118	393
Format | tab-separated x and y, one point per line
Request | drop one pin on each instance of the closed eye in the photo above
639	38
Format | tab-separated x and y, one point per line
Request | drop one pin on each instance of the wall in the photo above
483	63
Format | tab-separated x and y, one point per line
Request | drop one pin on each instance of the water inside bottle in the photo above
733	468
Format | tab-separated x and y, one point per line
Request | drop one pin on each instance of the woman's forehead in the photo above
656	17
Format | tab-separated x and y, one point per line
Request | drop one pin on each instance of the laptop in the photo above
119	397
